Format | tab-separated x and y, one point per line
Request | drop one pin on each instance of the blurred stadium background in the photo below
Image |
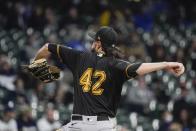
149	31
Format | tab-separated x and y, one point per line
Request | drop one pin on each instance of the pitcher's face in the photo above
96	46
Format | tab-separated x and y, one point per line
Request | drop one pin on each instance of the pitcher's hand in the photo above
175	68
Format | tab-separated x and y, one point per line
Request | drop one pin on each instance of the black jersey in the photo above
97	80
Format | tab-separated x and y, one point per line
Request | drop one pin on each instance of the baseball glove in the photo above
44	72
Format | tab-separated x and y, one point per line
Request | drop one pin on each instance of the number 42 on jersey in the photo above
86	81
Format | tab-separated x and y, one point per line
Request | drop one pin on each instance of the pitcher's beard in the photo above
92	50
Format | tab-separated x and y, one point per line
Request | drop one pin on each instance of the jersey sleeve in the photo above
66	55
127	69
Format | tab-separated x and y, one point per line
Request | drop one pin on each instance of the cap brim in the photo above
92	35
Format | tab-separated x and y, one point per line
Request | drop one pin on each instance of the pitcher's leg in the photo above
110	125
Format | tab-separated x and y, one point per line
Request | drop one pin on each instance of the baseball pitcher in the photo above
98	78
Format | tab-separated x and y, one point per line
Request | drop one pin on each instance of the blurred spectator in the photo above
160	91
16	16
187	94
37	93
139	97
133	47
32	46
175	127
19	86
25	120
6	67
71	18
167	119
64	95
179	56
185	120
37	19
51	19
186	100
8	122
48	121
7	73
156	50
105	17
193	54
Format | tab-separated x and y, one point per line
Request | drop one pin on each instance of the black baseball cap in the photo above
107	36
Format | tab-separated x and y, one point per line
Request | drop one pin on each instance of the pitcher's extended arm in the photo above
173	67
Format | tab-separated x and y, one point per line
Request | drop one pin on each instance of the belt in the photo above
80	118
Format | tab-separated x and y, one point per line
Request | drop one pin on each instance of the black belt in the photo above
99	118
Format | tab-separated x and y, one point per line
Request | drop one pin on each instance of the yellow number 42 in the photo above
86	83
